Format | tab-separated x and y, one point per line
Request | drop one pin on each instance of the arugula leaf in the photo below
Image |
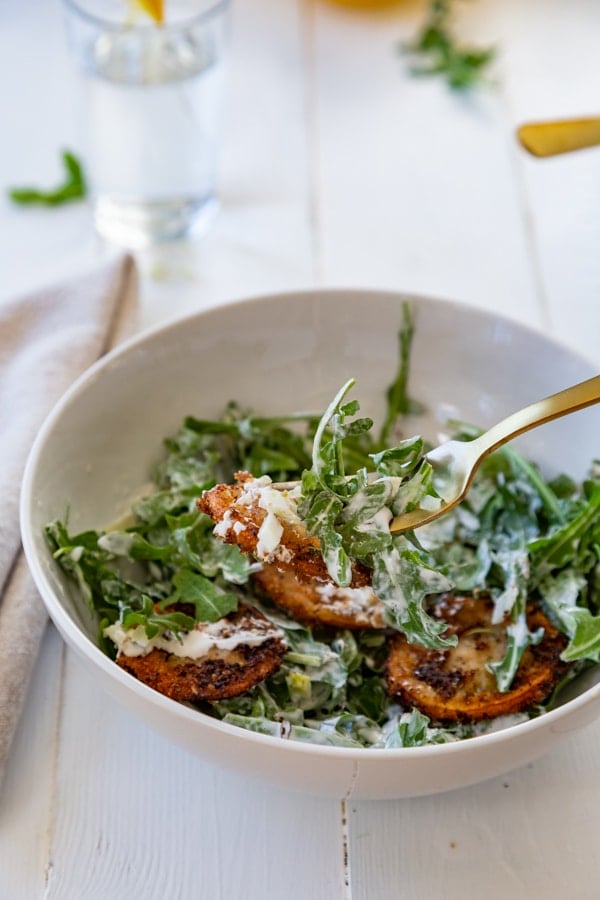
436	51
570	541
155	622
402	579
210	602
370	699
585	638
80	555
73	187
399	403
412	729
350	516
143	549
263	446
402	459
327	458
561	593
320	514
518	638
293	732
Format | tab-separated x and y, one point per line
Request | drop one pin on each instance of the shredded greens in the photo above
515	538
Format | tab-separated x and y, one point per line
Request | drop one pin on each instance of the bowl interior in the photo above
282	354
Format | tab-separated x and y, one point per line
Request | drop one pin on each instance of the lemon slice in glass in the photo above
153	8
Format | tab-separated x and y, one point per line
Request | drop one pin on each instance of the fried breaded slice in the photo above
454	685
321	601
251	649
294	574
242	520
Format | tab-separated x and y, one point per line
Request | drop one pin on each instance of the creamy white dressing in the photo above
519	631
393	564
331	561
361	498
357	599
195	644
503	604
499	723
467	519
379	522
431	504
435	581
117	542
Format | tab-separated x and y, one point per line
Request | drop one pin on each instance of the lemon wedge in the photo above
153	8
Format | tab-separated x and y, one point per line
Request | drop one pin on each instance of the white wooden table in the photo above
338	169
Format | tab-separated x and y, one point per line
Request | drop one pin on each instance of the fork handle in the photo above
586	393
563	136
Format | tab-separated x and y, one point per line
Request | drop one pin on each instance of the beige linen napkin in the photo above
46	341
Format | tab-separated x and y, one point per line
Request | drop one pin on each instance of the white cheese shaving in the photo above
269	536
281	509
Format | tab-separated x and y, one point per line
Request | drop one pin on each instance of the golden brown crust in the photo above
321	601
298	552
454	684
218	675
295	576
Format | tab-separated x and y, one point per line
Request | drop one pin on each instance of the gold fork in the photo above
456	462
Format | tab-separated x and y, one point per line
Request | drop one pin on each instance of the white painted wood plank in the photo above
27	793
135	816
550	71
416	184
565	217
527	835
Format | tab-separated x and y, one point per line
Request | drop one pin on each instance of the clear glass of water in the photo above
150	98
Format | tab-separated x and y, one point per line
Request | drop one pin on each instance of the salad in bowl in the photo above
250	601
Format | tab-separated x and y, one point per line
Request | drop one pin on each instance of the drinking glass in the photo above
150	98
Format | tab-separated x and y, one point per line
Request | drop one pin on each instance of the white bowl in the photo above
277	354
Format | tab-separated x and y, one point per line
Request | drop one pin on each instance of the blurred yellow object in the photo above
561	136
367	4
154	8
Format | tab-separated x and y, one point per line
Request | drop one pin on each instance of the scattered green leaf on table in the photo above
73	187
436	51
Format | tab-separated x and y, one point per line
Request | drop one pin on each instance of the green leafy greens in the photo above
350	515
517	537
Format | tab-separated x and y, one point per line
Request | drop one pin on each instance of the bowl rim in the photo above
84	646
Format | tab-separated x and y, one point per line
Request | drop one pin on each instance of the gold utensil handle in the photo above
553	138
586	393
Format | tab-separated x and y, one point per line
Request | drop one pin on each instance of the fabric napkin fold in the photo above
47	340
